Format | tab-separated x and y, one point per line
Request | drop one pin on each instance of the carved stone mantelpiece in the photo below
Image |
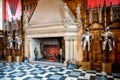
51	31
69	34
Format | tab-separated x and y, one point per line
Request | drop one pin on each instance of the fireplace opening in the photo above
49	49
51	52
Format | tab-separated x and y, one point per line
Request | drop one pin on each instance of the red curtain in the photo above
12	9
96	3
5	16
13	6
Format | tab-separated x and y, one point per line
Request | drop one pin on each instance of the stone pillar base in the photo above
65	63
107	67
86	65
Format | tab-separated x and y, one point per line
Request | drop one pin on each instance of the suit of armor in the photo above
107	40
86	40
18	41
10	40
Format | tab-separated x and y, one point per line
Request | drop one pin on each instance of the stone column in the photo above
75	49
27	47
26	44
71	49
67	49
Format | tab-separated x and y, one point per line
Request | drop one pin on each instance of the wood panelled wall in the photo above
96	52
96	30
1	45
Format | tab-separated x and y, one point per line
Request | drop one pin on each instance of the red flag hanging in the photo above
13	6
96	3
5	5
12	9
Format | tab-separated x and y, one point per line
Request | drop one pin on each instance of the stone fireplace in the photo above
47	49
46	28
69	36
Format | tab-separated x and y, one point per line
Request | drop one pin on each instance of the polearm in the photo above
111	12
105	18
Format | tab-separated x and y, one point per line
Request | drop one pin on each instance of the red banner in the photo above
96	3
12	9
5	16
13	6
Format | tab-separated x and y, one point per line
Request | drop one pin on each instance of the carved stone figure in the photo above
67	14
78	11
79	16
86	40
107	39
66	11
18	40
25	19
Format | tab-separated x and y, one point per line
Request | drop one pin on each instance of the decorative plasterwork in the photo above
57	30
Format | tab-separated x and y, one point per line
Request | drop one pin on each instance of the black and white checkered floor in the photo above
15	71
